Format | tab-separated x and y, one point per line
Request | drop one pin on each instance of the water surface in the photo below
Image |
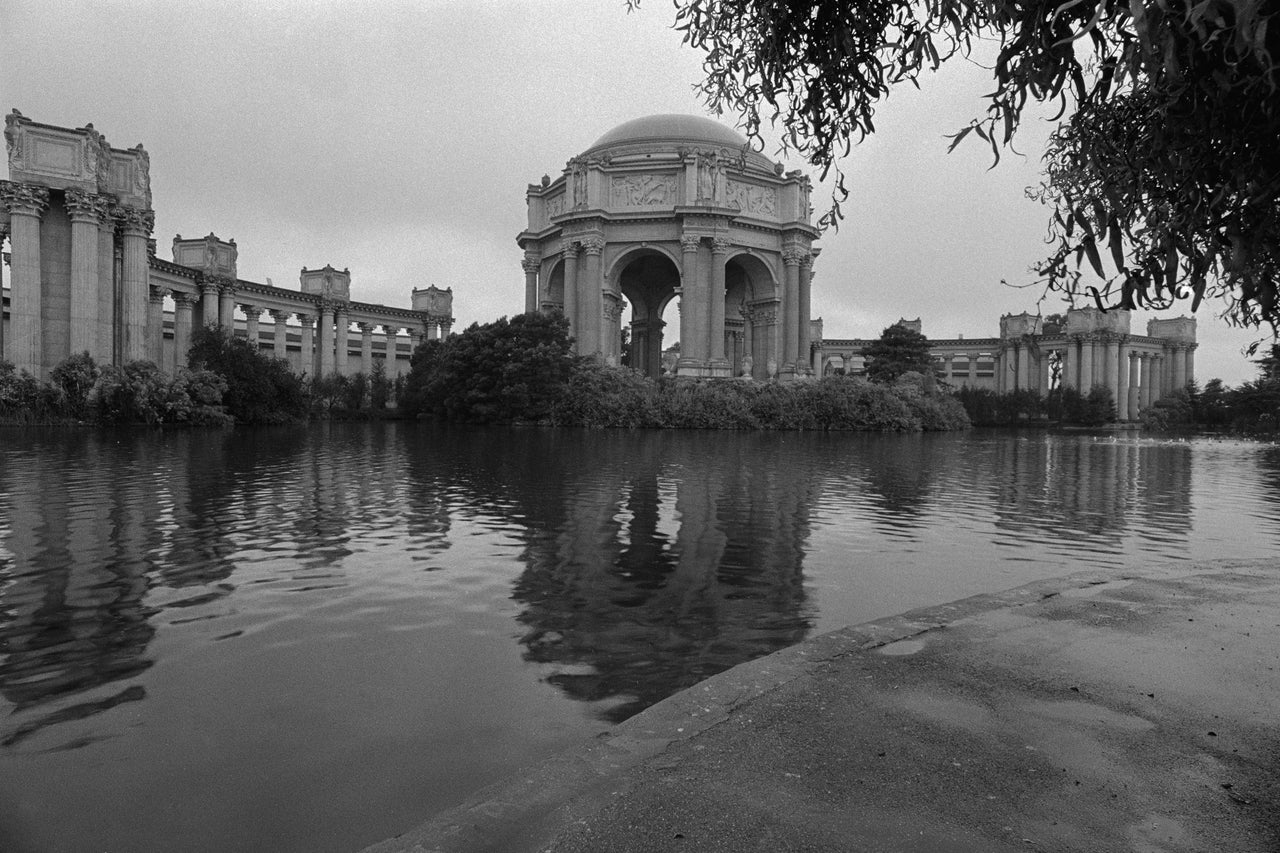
312	638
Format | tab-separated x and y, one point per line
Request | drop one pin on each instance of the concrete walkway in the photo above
1098	712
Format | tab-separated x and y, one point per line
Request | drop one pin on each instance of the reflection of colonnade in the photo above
676	206
85	278
1095	348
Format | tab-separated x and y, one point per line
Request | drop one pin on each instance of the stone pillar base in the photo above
692	367
719	368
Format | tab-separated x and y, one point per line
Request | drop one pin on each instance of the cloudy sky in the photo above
397	139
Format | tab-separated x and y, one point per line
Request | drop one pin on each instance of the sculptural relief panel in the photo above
555	205
750	198
643	190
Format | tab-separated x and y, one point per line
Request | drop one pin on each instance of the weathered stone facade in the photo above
674	205
84	277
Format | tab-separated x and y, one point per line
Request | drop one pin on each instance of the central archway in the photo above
649	280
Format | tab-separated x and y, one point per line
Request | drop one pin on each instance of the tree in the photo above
507	370
1167	157
260	389
900	350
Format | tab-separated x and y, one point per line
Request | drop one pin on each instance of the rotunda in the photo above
671	206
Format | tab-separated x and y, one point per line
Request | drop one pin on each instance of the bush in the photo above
987	407
75	376
260	389
25	399
504	371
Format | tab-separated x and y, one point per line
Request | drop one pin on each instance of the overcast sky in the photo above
397	139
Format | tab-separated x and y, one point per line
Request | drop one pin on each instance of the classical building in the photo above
84	276
667	206
1093	348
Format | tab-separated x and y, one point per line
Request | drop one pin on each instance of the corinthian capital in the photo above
690	243
593	245
531	265
134	220
85	206
794	256
30	199
570	250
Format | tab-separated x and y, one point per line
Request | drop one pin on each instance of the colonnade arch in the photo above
648	279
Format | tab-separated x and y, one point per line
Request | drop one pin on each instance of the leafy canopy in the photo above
900	350
1164	177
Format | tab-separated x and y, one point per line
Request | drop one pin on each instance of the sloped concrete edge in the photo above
528	810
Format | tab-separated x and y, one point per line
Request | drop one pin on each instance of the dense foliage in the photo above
1167	156
260	389
507	370
600	396
900	349
987	407
138	392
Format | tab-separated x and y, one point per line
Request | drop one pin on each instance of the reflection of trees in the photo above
655	561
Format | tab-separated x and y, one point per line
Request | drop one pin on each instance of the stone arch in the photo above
647	277
553	291
751	328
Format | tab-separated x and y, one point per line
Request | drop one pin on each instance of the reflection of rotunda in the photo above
675	205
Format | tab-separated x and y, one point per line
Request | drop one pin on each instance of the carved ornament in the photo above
531	265
690	243
719	246
570	250
86	206
642	190
159	293
749	198
134	220
28	199
555	205
593	245
13	140
794	255
281	317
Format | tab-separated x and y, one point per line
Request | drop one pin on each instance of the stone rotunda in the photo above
667	206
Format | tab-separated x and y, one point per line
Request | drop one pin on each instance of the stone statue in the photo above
579	175
748	364
771	366
11	142
708	171
142	177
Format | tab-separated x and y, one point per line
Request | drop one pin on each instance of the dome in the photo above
671	127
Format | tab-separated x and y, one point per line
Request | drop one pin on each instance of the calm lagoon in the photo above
310	639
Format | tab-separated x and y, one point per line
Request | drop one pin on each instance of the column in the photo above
107	344
571	290
227	307
1111	376
341	338
252	327
366	348
324	341
307	357
155	324
1070	364
748	344
1046	375
1022	375
531	263
690	294
1159	382
209	303
391	332
86	211
182	304
591	307
1121	374
791	258
1191	362
433	330
803	356
1144	399
719	364
1086	365
1135	378
280	334
26	204
1179	363
135	228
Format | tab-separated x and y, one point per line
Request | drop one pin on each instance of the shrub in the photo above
507	370
75	377
260	389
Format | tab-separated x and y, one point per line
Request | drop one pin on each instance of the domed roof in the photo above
671	127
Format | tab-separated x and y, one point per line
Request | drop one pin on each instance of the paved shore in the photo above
1097	712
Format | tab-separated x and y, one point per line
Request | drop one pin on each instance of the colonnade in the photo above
1137	370
108	256
321	341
